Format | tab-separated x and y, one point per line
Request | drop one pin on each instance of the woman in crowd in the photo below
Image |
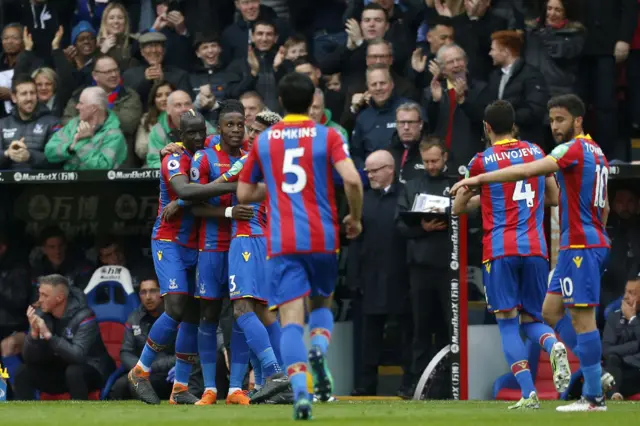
157	106
114	37
554	43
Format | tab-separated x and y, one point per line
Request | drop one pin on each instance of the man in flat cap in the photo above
141	78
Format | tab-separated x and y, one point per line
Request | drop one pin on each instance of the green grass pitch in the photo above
398	413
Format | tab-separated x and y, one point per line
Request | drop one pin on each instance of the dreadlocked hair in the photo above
268	118
229	106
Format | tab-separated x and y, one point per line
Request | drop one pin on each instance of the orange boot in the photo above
209	397
238	398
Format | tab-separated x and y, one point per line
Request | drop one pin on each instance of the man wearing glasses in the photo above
137	329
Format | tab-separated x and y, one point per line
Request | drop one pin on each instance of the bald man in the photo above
92	140
377	270
165	130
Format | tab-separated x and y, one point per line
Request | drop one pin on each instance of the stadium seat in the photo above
111	296
506	388
613	306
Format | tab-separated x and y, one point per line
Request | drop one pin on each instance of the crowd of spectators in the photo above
101	84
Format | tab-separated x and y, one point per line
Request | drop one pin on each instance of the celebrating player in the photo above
294	159
584	244
248	290
175	252
515	256
215	235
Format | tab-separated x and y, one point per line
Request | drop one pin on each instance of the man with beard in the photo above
27	130
175	254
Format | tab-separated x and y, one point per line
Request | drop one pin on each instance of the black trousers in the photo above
372	343
627	378
430	299
597	87
77	379
120	389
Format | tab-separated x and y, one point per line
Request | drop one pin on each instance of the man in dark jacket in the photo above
135	337
63	351
455	105
378	273
210	82
428	250
405	142
27	130
519	83
621	343
376	124
262	67
237	37
141	78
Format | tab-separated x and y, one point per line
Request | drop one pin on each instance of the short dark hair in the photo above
20	79
229	106
55	280
572	103
436	20
100	58
304	60
51	232
108	240
266	22
375	6
296	93
432	141
192	118
251	94
501	116
202	38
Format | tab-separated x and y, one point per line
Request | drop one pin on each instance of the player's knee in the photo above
507	314
318	302
267	316
241	307
525	318
209	310
292	312
583	320
5	346
175	305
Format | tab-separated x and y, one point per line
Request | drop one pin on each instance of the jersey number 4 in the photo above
523	192
288	166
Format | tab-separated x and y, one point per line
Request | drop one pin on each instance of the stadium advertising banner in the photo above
458	298
82	204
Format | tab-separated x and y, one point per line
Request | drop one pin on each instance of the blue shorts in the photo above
212	275
247	263
294	276
516	282
577	276
175	266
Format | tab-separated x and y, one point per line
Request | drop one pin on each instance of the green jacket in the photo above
335	126
106	149
159	137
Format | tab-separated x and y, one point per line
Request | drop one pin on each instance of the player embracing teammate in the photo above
582	172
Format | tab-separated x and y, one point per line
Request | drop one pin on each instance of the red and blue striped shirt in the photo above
295	159
583	178
207	166
183	227
512	212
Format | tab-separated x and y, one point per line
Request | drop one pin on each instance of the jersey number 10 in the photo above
524	192
602	176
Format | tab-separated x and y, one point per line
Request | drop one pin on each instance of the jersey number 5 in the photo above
289	167
524	192
602	176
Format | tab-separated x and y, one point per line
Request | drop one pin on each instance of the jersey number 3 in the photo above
288	166
524	192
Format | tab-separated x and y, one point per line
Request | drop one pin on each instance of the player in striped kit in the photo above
295	159
515	257
583	172
175	252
